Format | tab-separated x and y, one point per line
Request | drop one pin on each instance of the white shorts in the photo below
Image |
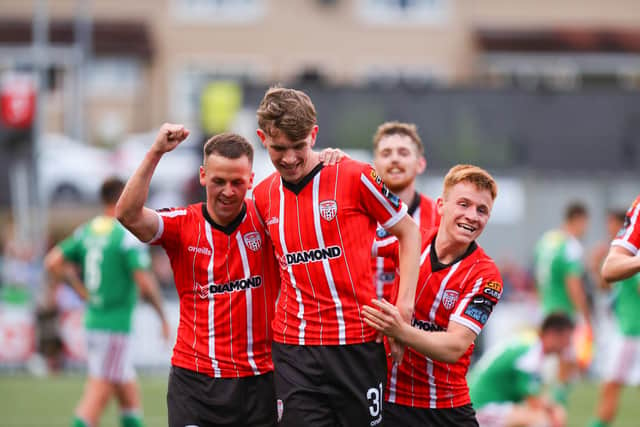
623	362
110	356
494	414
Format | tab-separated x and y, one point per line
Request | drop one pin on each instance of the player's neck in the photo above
407	194
447	249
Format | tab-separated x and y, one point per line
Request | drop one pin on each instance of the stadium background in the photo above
543	94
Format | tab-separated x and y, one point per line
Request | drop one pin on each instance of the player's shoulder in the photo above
267	183
484	262
350	166
252	210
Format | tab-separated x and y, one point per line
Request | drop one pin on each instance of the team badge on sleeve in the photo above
328	209
253	241
449	299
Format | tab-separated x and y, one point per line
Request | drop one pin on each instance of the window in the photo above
403	12
220	11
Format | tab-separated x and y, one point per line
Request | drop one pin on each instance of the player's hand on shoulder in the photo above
331	156
169	137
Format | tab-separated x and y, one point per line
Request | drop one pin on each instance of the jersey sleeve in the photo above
629	235
136	253
71	247
377	200
481	293
170	222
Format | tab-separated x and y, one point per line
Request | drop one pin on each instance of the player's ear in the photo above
314	134
422	164
253	174
203	180
262	136
439	205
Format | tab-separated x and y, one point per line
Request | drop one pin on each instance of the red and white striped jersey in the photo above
227	280
424	212
322	229
629	236
464	292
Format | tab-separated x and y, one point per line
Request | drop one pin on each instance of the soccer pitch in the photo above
37	402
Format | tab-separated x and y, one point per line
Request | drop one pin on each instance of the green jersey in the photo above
108	255
509	373
557	256
627	305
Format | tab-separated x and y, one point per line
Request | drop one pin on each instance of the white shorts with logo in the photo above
494	414
623	363
110	356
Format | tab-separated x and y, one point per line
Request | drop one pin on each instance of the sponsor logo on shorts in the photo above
280	407
311	255
449	299
212	289
253	241
328	209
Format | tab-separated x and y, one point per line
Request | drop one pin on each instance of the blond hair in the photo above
398	128
472	174
286	110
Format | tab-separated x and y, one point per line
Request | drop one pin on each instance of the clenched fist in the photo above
169	137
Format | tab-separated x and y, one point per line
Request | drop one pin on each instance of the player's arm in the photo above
60	269
447	346
575	291
620	264
151	291
409	241
130	209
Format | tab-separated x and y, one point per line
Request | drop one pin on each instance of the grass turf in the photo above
26	401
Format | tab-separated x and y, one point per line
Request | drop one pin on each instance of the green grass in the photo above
26	401
36	402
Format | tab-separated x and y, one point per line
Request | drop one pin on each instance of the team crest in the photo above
449	299
328	209
253	241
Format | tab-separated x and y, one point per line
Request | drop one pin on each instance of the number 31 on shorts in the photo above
374	397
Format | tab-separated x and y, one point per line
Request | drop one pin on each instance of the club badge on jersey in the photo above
328	209
253	241
449	299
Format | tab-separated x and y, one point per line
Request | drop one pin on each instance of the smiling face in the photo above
226	182
292	159
397	161
464	209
